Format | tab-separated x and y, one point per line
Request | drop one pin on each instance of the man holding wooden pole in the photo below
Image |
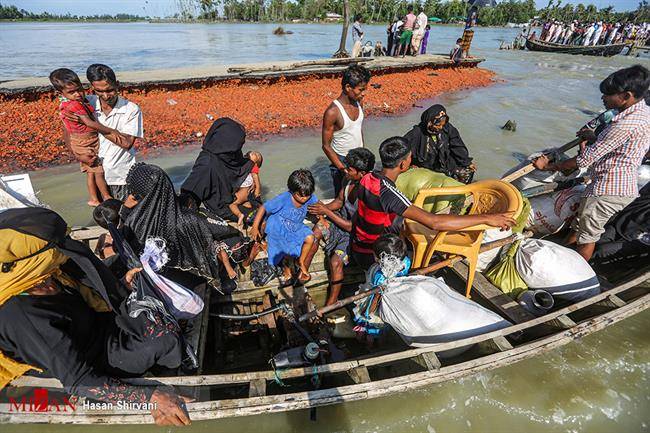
613	159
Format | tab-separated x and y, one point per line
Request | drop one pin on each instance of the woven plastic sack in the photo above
412	181
424	311
504	274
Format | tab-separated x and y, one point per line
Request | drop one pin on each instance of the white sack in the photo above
559	270
424	311
550	212
487	257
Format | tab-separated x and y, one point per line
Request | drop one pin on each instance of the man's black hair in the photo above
409	8
634	79
358	17
390	243
301	182
361	159
99	72
62	77
108	210
355	75
393	151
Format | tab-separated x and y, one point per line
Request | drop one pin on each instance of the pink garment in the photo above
410	22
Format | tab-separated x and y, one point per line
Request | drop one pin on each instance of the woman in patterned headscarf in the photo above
195	242
62	312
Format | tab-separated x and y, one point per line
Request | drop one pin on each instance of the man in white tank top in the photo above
342	122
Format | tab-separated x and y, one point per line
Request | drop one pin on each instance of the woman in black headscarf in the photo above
220	168
436	145
195	243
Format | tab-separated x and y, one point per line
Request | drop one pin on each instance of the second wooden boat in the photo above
594	50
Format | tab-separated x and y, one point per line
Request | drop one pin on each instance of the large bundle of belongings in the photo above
421	310
425	310
415	179
541	274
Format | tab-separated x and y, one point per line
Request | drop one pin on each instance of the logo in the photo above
40	401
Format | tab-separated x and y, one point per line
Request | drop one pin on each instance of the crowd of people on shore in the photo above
594	33
218	221
407	35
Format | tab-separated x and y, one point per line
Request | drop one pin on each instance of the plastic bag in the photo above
262	272
183	303
504	274
424	311
559	270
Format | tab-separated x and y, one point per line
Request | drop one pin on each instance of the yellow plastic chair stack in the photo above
488	197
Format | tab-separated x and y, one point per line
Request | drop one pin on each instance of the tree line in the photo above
373	11
13	13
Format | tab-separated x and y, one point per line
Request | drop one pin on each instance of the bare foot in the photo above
94	203
304	277
240	221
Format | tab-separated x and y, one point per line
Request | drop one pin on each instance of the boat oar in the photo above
422	271
553	187
530	167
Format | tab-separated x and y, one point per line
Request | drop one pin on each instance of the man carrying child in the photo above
123	118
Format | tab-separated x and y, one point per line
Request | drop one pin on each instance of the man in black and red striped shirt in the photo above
381	206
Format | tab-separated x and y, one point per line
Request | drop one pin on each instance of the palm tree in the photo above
341	52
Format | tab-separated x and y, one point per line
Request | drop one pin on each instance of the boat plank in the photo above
428	360
256	405
221	379
502	302
257	388
359	374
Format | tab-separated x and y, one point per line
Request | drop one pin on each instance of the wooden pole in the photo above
530	167
422	271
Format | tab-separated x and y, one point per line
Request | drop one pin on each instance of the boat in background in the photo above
593	50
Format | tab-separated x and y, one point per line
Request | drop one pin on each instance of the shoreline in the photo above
180	115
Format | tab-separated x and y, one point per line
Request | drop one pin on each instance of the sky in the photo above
163	8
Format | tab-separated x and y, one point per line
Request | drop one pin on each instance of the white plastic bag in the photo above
183	303
559	270
424	311
550	212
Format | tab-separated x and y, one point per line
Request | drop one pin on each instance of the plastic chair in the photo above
488	197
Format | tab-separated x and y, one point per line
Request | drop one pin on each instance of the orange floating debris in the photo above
31	132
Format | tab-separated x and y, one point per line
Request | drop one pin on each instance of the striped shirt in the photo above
379	208
615	157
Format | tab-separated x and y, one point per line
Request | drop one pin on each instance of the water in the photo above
599	384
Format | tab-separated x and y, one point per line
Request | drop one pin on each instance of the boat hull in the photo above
595	50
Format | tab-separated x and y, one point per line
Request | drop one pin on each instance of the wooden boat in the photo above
594	50
235	379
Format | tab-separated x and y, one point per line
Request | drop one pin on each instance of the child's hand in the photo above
255	233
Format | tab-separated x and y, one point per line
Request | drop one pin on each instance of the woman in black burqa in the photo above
436	145
220	168
63	311
195	242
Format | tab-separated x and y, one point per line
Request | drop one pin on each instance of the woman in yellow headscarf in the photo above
61	312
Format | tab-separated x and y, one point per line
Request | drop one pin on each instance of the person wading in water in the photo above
342	122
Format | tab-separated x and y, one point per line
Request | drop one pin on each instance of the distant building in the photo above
331	16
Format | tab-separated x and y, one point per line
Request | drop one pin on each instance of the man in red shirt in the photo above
382	207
